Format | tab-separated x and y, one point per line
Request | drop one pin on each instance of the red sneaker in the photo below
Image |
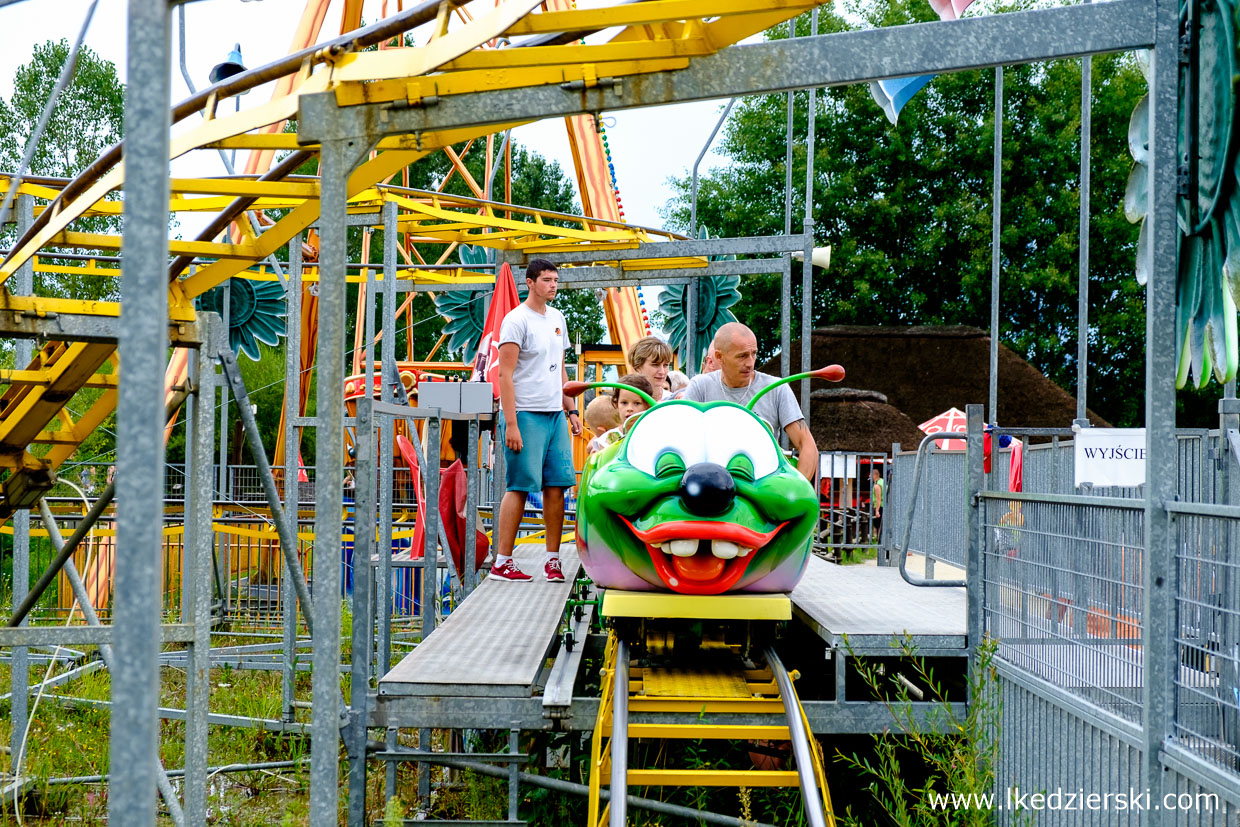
553	571
508	571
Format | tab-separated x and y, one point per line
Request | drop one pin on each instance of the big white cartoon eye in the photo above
668	436
733	436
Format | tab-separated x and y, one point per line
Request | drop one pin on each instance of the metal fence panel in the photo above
1063	593
938	525
1046	746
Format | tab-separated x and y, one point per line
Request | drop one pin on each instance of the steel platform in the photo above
873	605
495	644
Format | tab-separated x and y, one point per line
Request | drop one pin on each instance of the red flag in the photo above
503	301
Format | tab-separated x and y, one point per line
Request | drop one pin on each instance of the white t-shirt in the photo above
541	341
778	409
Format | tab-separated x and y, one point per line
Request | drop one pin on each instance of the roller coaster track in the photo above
710	695
38	430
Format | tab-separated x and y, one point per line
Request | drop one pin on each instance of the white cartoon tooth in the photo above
724	550
684	548
666	548
744	552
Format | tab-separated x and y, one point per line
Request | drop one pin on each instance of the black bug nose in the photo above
707	489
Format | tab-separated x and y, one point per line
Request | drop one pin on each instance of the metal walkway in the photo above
496	642
871	605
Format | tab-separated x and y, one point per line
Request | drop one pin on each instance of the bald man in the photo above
735	350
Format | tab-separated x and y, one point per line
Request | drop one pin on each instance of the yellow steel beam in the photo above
100	241
43	306
651	12
34	377
386	63
246	186
713	778
512	77
25	410
712	731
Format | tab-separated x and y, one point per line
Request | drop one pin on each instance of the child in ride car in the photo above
627	405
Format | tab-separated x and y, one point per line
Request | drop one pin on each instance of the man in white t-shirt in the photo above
735	349
537	452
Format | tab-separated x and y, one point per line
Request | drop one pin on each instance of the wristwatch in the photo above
570	414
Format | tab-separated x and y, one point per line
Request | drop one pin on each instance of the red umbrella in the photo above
503	301
952	419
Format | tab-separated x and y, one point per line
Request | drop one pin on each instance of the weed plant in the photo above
933	750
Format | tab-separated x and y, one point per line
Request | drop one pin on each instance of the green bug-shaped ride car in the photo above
696	499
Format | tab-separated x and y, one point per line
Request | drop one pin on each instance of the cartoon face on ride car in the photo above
696	499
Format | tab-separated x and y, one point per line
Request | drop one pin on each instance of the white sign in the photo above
837	466
1110	457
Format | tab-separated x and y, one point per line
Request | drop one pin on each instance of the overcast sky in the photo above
647	145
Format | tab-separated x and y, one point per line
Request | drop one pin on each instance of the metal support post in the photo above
199	545
469	577
140	417
785	281
1082	320
974	561
996	211
618	784
807	266
337	157
363	572
514	774
292	470
1159	573
387	430
225	483
430	524
691	322
23	284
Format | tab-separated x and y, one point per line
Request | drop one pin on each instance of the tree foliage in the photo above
88	118
907	209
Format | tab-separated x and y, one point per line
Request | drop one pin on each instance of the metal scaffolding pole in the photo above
363	571
785	279
337	157
23	285
807	266
387	428
1159	581
199	552
292	469
996	207
1082	320
140	417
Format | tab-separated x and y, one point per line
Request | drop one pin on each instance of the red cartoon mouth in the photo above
701	556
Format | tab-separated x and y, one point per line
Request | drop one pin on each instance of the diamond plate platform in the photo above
873	605
496	642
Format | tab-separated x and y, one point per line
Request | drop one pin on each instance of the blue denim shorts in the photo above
546	458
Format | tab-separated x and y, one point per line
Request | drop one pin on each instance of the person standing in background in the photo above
537	452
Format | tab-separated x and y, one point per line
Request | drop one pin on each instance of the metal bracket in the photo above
1233	438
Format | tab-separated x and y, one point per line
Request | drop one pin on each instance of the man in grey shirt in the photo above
735	349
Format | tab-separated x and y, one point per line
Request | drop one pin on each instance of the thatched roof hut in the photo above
845	419
921	372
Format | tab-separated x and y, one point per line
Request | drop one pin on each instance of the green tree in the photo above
907	208
88	118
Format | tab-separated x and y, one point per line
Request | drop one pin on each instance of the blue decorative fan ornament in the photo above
256	313
715	295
